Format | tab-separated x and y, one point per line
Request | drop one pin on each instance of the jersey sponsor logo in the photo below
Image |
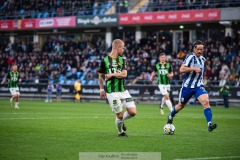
129	99
163	72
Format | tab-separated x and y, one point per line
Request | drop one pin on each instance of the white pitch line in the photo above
52	113
54	118
206	158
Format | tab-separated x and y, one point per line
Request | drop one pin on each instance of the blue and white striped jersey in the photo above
193	79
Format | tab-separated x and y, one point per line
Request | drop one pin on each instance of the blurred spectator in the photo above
58	92
225	92
49	90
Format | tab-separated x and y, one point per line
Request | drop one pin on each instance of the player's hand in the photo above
108	76
150	79
197	70
102	94
170	76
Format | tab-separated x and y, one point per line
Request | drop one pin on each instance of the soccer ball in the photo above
169	129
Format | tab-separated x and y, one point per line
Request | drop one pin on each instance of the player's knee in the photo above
166	96
120	115
132	114
205	102
179	106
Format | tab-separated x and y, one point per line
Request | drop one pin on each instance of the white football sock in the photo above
169	104
163	101
119	124
126	116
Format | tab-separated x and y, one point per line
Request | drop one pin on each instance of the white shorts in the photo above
117	100
164	89
14	91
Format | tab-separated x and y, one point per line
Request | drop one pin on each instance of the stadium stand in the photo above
12	9
66	61
61	57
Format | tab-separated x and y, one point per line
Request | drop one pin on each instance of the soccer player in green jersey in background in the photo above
13	77
113	69
164	72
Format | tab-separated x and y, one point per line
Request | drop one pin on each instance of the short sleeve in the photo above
102	67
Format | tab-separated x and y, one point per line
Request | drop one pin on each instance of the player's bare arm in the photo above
170	75
152	75
185	69
122	74
101	80
3	81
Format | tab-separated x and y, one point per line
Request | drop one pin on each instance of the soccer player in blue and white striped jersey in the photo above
193	67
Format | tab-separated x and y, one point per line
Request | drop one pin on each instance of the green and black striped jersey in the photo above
13	79
113	65
162	71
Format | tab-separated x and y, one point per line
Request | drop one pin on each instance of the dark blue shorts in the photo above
187	93
59	93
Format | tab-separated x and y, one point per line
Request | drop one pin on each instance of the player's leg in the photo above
161	88
60	96
163	92
129	103
13	95
203	98
17	94
184	96
50	97
119	123
57	96
168	102
116	105
167	98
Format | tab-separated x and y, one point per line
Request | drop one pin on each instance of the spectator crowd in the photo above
18	9
66	60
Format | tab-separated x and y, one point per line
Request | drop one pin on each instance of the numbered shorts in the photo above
14	91
164	89
117	100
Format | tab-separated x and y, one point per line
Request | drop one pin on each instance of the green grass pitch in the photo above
59	131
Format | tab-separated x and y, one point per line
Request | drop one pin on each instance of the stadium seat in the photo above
39	15
83	76
102	11
108	6
79	74
90	82
61	81
83	82
45	15
69	82
21	11
95	12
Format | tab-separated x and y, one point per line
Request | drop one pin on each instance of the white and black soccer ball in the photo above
169	129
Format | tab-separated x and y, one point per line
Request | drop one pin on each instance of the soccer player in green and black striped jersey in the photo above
164	72
113	70
13	77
